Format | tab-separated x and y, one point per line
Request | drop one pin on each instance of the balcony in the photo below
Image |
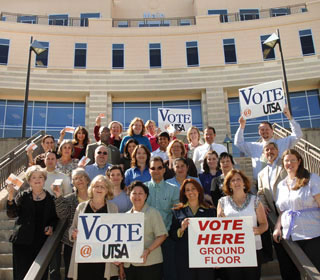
153	22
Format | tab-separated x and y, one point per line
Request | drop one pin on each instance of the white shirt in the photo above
159	153
52	176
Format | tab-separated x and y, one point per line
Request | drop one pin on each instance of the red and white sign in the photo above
16	181
221	242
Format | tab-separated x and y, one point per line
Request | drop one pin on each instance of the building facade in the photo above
127	58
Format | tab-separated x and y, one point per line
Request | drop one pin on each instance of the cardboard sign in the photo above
102	115
31	146
13	179
110	237
69	129
57	182
262	100
180	119
221	242
83	161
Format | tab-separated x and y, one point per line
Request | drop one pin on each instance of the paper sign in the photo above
57	182
31	146
102	115
171	129
13	179
69	129
180	119
262	100
221	242
84	161
110	238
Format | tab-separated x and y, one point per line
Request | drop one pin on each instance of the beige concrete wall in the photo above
7	144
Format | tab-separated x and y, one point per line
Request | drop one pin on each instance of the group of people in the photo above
171	182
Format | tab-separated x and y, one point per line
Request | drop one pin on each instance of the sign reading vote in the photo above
262	100
110	238
221	242
180	119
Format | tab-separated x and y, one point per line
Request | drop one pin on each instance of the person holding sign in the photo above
99	192
265	129
192	205
238	202
298	200
66	163
152	134
193	136
155	233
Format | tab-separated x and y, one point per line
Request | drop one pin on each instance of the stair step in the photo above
6	273
270	269
7	224
5	260
3	215
5	247
5	234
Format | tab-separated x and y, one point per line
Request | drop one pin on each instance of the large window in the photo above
80	55
4	51
271	54
125	112
306	42
58	20
117	56
192	53
42	59
249	14
48	116
27	19
277	12
84	18
155	55
223	14
229	48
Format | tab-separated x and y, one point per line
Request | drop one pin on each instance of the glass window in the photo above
4	51
229	51
27	19
84	18
249	14
306	41
271	54
80	55
276	12
155	55
223	14
58	20
192	53
123	23
185	22
42	59
118	56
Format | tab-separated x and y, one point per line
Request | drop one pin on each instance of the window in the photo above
192	53
42	59
223	14
229	51
271	54
123	23
84	18
118	56
185	22
80	55
27	19
280	12
58	20
249	14
306	42
155	55
4	51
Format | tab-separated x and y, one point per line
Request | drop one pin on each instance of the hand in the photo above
184	224
11	191
242	122
256	231
122	274
277	235
98	121
74	234
29	153
48	230
62	134
286	112
56	190
158	130
145	255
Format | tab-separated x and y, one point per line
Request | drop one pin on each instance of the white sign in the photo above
180	119
221	242
110	238
262	100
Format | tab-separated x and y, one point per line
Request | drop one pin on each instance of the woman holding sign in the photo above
238	202
192	205
66	163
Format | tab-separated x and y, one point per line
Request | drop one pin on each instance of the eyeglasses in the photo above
158	168
290	160
104	153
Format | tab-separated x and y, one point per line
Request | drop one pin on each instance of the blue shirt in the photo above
206	178
134	174
174	181
141	140
93	170
163	196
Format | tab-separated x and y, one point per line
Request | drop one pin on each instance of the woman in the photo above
180	167
238	202
121	199
152	134
66	207
155	234
80	142
176	149
66	163
115	131
193	136
225	163
99	192
139	166
36	218
136	131
193	206
298	199
127	155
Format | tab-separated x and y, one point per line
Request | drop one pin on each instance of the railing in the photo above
153	22
309	152
16	160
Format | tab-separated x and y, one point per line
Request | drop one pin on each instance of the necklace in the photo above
38	196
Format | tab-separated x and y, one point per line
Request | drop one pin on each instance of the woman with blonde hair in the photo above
152	134
193	136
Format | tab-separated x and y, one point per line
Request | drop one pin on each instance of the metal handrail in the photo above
153	22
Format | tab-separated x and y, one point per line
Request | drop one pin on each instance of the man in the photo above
101	164
113	152
163	140
163	196
199	153
255	149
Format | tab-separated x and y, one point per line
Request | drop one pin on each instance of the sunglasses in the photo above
104	153
158	168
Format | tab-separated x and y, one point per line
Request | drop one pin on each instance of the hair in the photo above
130	129
134	162
107	183
169	152
46	137
180	159
265	122
150	121
226	184
98	147
205	161
163	134
116	167
119	123
80	171
271	143
189	131
33	169
125	150
157	159
225	155
210	127
183	198
51	152
86	140
302	174
65	142
138	184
